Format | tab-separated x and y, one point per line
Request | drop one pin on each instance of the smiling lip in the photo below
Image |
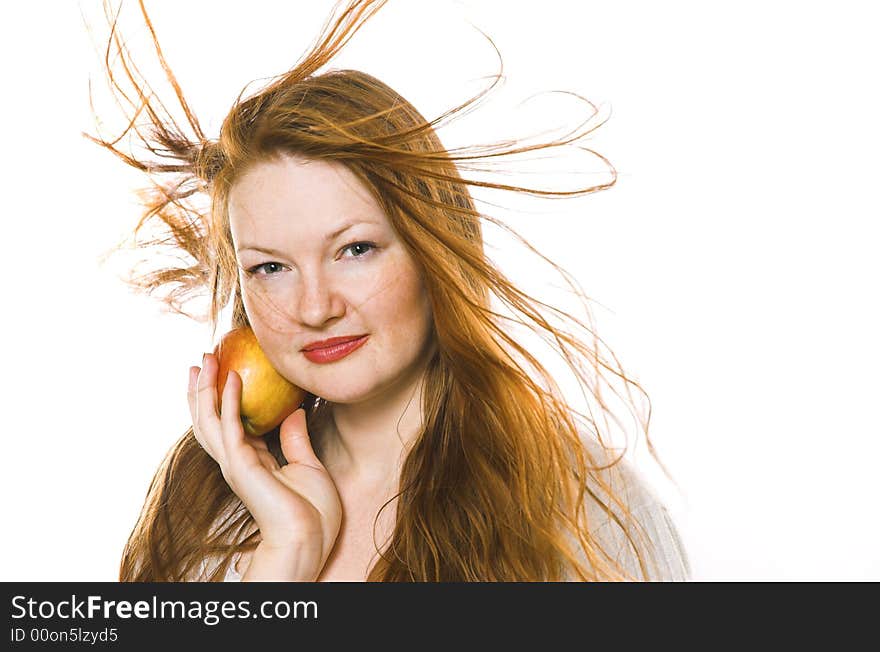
332	349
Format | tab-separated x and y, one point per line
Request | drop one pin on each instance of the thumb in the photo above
295	442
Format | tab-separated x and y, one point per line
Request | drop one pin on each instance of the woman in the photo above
438	448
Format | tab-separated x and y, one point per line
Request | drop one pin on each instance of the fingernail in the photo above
204	357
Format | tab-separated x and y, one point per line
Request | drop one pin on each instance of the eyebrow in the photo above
330	236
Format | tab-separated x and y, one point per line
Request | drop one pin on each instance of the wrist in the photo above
294	563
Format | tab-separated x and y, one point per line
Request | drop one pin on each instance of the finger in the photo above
191	390
295	442
267	459
206	418
257	442
191	400
232	431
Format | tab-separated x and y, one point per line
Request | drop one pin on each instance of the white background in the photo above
735	258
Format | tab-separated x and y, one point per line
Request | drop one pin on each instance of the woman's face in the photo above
318	259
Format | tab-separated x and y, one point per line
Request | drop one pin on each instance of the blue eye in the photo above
369	245
255	270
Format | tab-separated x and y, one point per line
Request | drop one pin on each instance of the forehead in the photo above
311	197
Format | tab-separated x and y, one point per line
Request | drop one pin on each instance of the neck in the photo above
365	443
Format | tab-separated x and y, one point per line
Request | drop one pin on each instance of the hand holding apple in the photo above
267	398
293	501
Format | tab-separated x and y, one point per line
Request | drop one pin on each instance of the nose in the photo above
319	301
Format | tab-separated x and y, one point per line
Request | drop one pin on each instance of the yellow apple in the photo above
267	398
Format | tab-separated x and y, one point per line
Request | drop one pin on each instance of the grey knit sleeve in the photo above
661	546
656	537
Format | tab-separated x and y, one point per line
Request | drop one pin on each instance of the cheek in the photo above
404	303
265	316
384	291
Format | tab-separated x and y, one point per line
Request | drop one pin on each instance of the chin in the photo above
346	394
342	398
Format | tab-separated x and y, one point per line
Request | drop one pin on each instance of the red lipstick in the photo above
332	349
